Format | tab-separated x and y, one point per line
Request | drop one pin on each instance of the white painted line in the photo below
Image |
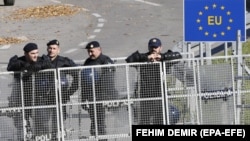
56	1
24	38
91	37
69	5
84	9
83	44
150	3
97	15
101	20
97	30
70	51
100	24
5	47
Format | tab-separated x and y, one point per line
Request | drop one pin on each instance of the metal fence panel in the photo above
111	98
29	104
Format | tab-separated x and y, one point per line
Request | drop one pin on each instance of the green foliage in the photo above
246	48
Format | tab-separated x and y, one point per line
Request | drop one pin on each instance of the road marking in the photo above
24	38
83	44
100	24
101	20
56	1
150	3
69	5
91	37
5	47
71	50
84	9
96	15
97	30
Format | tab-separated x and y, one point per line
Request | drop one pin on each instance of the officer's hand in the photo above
154	57
26	73
170	55
157	57
36	67
151	57
177	55
33	67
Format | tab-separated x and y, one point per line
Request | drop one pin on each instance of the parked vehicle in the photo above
9	2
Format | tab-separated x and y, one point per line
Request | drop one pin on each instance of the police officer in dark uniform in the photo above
67	89
150	84
27	64
102	79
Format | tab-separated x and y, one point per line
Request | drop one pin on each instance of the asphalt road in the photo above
121	26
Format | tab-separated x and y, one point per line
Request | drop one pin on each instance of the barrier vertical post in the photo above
239	72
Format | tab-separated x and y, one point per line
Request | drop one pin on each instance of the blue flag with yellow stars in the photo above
214	20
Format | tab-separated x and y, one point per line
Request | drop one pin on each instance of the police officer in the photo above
150	84
103	83
154	53
53	51
27	64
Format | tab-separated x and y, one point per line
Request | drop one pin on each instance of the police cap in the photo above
53	42
154	42
93	44
29	47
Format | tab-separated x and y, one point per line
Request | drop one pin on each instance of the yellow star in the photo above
200	28
214	35
200	13
222	7
198	20
214	6
206	33
228	13
206	7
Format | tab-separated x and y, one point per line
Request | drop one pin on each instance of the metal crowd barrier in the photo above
116	96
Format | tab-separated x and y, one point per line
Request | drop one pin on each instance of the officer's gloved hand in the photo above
34	67
170	55
177	55
26	74
26	71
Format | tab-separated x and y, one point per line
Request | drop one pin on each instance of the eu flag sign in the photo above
214	20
